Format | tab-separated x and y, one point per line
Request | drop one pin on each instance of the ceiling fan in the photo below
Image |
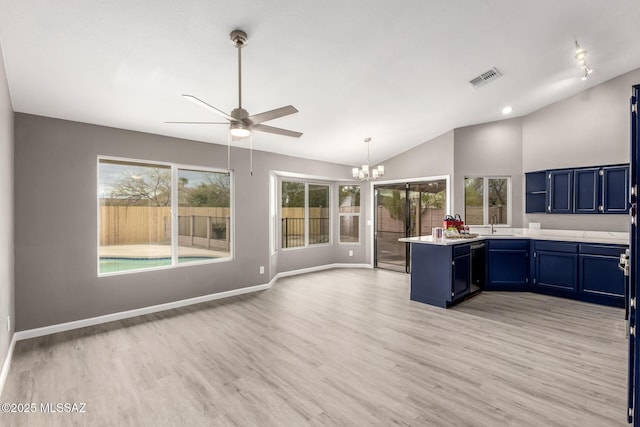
241	124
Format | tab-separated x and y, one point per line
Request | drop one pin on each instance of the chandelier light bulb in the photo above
366	172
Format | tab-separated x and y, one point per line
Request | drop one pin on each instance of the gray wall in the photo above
56	222
490	149
6	213
588	129
432	158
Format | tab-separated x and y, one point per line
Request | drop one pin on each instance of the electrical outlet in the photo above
262	269
350	252
8	323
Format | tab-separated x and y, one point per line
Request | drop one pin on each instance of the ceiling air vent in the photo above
484	78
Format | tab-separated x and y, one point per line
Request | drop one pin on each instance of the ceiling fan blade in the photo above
199	123
203	104
272	114
277	131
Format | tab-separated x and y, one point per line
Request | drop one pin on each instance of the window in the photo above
304	214
293	214
135	220
487	200
349	213
318	201
203	215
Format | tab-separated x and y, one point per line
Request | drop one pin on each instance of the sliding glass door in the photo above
405	210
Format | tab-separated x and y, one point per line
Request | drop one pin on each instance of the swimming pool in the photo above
113	264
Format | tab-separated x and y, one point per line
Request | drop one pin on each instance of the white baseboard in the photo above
319	268
76	324
62	327
7	363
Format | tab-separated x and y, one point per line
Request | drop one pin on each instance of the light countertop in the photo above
603	237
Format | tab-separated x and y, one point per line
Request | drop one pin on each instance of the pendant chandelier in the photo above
366	173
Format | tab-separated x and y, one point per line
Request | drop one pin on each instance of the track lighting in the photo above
581	58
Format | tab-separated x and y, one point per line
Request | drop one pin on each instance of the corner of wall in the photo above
7	223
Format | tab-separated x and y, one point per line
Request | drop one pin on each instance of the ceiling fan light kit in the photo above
239	130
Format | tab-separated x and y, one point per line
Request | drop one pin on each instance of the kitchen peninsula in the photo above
581	265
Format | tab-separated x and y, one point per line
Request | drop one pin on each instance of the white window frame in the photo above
175	167
340	215
306	212
485	200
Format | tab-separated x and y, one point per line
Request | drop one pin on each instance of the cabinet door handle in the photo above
601	208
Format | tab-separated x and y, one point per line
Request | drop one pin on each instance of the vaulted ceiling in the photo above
396	71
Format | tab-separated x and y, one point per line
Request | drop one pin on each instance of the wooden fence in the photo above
203	227
474	215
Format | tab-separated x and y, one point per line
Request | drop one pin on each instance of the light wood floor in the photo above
340	348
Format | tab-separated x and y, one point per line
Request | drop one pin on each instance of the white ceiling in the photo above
393	70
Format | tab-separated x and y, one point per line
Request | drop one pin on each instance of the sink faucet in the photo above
494	221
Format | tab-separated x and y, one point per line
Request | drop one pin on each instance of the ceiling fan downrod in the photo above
239	39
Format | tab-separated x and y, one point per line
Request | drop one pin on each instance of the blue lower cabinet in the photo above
556	266
440	275
507	265
600	278
461	276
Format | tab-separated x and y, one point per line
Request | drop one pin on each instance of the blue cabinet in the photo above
603	189
599	272
615	189
461	271
556	266
440	275
560	191
536	192
586	190
589	190
507	265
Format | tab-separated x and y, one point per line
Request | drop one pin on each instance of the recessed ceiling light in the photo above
507	110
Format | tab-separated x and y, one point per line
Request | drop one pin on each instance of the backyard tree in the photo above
292	194
212	191
149	187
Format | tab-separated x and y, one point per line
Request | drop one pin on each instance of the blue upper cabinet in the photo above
589	190
560	191
586	190
615	189
536	192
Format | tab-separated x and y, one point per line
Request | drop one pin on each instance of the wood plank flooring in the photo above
339	348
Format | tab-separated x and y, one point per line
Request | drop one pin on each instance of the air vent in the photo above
484	78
